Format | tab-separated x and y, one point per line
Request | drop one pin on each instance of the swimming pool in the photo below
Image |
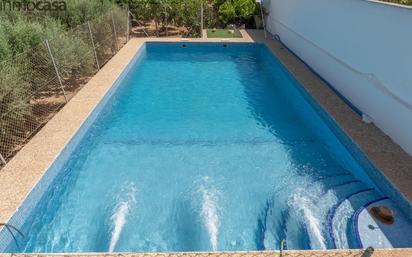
201	147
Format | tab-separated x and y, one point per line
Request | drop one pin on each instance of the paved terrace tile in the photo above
23	172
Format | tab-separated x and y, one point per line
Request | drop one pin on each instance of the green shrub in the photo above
27	68
188	16
81	11
229	10
5	51
72	53
120	22
103	38
244	8
142	9
74	57
14	105
23	34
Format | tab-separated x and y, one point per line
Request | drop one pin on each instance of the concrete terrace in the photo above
22	173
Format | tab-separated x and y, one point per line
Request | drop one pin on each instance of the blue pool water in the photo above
203	148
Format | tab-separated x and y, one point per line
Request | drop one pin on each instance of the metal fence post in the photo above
201	20
2	159
127	24
56	70
167	25
114	32
94	47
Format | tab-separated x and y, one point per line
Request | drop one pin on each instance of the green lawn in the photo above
223	33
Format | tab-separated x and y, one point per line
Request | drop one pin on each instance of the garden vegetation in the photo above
25	63
186	14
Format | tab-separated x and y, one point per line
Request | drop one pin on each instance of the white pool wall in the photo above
362	48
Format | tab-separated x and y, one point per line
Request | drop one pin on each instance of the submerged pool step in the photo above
336	188
340	217
370	232
342	175
355	217
342	185
351	193
324	172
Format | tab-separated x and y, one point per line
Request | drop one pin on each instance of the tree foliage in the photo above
229	10
80	11
22	34
166	12
244	8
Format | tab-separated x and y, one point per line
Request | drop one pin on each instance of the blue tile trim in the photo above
347	183
334	176
155	44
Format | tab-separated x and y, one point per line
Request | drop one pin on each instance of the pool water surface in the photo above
203	148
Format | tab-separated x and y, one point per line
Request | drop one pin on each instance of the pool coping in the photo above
25	170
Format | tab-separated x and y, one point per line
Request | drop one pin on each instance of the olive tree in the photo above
232	10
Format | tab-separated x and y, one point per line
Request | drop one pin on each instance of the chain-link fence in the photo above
35	84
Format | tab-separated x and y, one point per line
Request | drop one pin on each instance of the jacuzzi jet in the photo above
184	46
120	215
210	212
